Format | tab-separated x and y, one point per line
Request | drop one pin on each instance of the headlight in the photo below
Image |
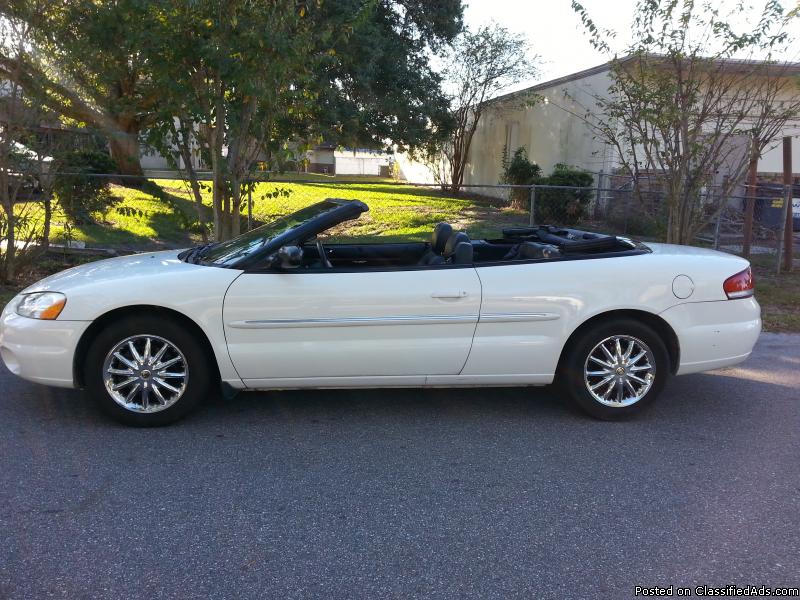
41	305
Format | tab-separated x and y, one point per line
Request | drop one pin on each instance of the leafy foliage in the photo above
564	207
82	187
557	206
84	60
519	170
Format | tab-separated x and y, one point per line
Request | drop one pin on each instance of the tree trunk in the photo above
236	198
48	217
124	147
221	220
752	181
11	244
184	147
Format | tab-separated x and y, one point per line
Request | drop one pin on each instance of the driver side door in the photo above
326	327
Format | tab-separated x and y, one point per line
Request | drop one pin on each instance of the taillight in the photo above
740	285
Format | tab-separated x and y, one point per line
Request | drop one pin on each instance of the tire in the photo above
110	362
622	395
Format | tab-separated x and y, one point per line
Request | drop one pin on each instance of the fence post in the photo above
788	221
749	208
787	200
716	230
600	186
532	220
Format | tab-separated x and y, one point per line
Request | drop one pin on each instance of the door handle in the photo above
461	294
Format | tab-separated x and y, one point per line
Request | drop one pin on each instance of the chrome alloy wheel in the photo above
619	371
145	373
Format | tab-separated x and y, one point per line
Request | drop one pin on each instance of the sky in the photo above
555	31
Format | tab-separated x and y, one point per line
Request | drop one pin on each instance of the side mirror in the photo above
290	257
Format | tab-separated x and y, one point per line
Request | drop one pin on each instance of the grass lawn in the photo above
779	296
397	212
157	216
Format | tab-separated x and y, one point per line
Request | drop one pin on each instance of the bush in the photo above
563	207
520	171
79	193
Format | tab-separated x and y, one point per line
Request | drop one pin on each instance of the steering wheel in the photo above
322	256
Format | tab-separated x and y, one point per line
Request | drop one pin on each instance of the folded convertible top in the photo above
567	240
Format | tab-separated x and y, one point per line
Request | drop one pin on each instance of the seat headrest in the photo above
441	233
462	255
453	241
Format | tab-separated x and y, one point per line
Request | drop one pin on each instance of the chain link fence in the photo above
160	210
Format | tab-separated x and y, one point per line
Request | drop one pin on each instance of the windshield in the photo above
227	253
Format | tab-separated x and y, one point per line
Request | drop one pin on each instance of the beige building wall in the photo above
552	130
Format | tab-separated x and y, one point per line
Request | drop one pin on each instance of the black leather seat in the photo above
458	250
441	233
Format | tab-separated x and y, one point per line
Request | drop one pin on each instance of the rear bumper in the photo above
712	335
40	351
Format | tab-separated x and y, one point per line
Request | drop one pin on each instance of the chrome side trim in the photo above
517	317
354	321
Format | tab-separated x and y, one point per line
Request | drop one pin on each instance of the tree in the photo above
24	163
85	60
478	66
376	87
240	79
689	107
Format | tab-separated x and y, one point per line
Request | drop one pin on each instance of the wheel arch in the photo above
139	309
659	325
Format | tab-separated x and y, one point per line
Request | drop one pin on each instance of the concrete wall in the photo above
361	162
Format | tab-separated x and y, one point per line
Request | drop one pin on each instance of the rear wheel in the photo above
616	369
146	371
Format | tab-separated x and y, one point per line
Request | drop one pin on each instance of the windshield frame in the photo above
341	211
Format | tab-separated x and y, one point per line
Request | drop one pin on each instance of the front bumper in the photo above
712	335
40	351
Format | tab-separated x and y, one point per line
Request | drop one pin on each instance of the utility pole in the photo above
788	183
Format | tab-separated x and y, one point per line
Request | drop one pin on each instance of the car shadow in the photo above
701	397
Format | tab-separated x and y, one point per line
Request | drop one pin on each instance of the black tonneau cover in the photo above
567	240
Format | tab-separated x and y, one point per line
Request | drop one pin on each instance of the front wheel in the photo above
145	371
615	369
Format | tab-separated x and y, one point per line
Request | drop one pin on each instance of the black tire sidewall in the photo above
197	386
571	372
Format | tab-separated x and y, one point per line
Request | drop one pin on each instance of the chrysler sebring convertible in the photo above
608	319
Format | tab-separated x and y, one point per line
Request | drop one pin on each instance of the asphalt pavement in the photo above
478	493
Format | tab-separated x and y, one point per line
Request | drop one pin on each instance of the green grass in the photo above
159	215
397	212
140	221
779	295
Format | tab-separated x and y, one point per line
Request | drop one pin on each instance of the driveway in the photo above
493	493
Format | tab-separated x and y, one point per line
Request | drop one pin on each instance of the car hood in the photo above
113	269
149	279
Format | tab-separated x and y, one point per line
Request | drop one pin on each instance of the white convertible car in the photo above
149	336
